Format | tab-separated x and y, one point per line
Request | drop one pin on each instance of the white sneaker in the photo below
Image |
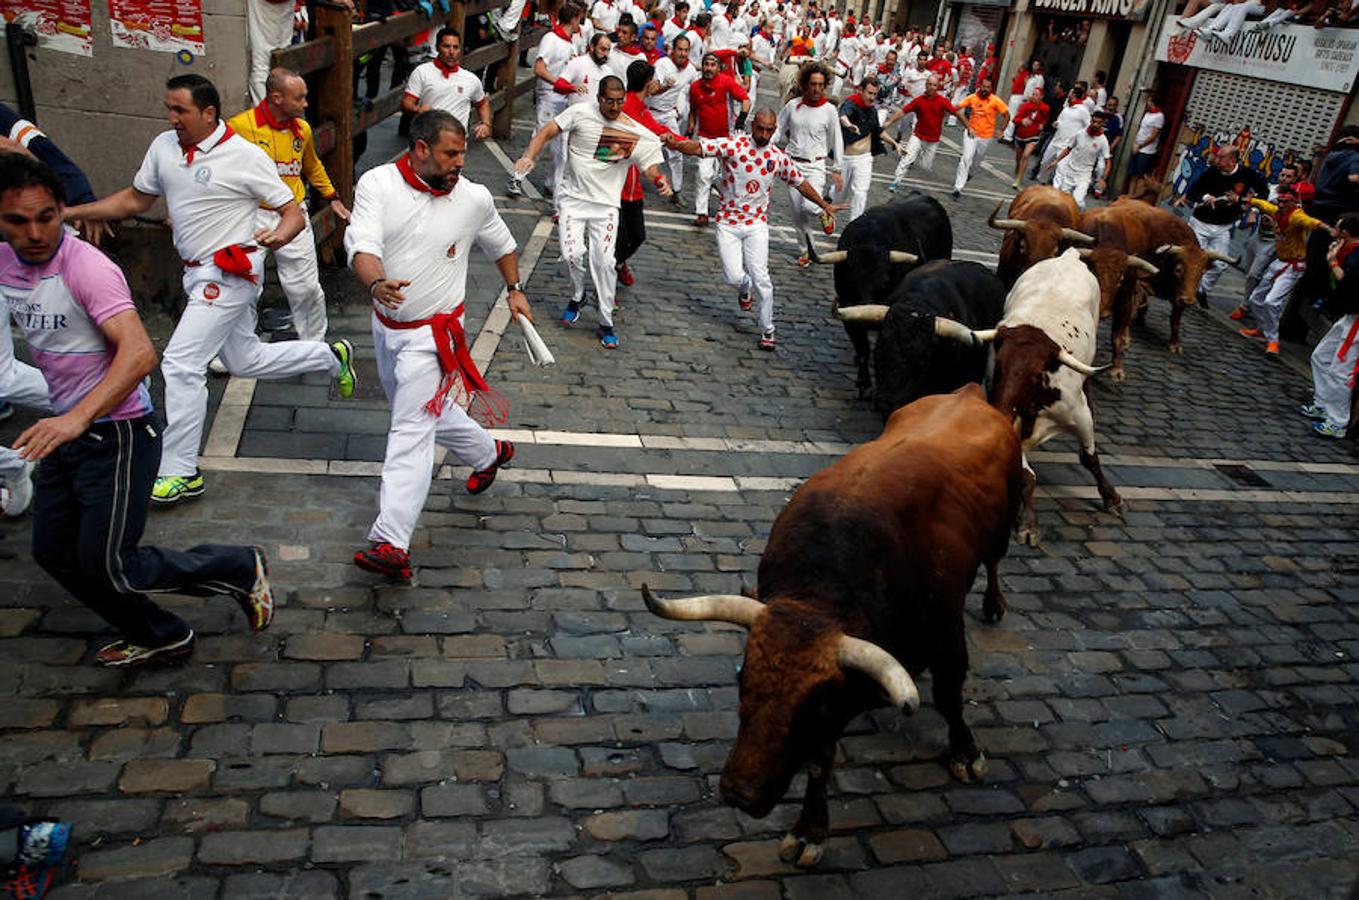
17	494
217	367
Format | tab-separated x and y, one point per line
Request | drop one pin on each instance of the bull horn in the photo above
826	259
871	313
901	256
875	662
1004	224
731	608
1137	262
1222	257
957	331
1079	237
1085	252
1075	364
1172	249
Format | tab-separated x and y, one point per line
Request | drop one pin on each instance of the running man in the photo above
708	118
928	111
986	115
100	448
415	222
442	83
811	128
214	182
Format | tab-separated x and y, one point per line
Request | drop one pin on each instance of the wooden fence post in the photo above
504	81
335	96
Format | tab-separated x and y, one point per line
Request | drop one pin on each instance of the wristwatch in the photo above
517	286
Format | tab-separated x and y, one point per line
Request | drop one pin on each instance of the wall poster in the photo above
61	25
170	26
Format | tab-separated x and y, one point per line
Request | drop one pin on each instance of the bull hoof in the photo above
790	848
992	610
1116	506
1176	348
811	856
1029	534
1123	343
968	771
800	852
1117	374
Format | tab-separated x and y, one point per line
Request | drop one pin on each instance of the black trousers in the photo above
631	230
89	511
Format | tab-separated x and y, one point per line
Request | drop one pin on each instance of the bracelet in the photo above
372	286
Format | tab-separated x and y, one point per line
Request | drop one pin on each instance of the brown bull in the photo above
1176	253
863	580
1041	220
1118	261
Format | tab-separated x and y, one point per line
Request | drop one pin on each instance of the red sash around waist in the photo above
484	403
233	260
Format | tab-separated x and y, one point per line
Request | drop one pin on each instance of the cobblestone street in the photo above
1170	709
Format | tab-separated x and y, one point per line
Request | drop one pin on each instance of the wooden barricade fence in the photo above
328	61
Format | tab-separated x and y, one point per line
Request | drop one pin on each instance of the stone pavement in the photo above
1169	708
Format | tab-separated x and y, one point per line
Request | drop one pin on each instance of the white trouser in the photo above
219	321
1074	183
1212	237
916	151
673	158
1202	15
1259	254
408	364
1331	374
22	384
744	250
906	125
974	151
301	281
1230	20
509	18
1016	101
596	224
1271	294
1050	154
957	98
858	175
703	184
269	26
805	213
549	106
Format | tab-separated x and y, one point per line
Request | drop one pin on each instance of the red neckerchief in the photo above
561	33
858	100
444	69
884	69
681	25
262	117
403	165
190	150
814	103
630	51
1281	218
653	55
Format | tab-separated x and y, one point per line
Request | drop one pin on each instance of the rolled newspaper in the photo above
538	353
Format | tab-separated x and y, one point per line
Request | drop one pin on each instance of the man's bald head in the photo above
762	127
285	94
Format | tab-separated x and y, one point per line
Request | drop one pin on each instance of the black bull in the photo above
916	229
913	358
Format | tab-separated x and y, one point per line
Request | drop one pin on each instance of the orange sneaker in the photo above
1272	347
1239	313
1249	332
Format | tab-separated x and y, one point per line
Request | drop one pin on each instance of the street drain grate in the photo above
1243	475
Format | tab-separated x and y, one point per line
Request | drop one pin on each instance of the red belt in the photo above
484	403
233	260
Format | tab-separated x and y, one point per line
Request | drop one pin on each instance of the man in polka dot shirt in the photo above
749	165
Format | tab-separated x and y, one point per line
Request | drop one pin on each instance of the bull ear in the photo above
1076	365
731	608
875	662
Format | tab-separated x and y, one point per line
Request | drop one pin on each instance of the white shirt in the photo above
454	92
606	14
213	200
1070	120
913	82
671	99
669	29
583	70
619	61
422	238
748	172
598	152
1101	95
1086	153
555	54
1034	82
811	132
1150	122
696	47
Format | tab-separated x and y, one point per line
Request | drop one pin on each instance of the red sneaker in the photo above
743	300
625	275
1272	347
385	559
1249	332
1239	313
701	220
481	480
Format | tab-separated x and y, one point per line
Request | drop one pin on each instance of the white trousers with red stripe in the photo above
408	365
1267	302
219	321
590	229
744	250
1331	389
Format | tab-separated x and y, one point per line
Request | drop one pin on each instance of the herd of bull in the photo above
865	572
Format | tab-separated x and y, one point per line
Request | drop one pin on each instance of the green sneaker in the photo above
345	379
171	489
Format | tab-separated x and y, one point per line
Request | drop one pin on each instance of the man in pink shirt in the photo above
100	449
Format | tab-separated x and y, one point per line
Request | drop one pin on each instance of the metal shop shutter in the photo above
1285	115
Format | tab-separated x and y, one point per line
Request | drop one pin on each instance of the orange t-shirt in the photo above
984	112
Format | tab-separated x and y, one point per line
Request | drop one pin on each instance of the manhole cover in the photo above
1242	475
